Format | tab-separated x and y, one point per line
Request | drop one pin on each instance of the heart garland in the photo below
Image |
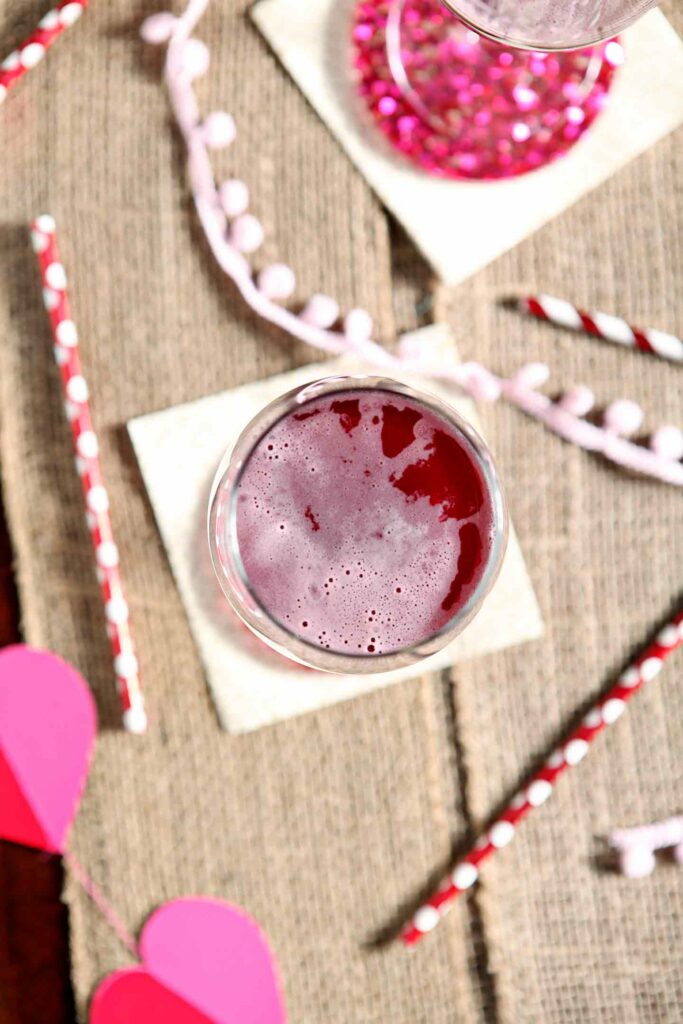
203	961
47	731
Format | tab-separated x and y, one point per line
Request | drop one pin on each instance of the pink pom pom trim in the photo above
219	130
357	326
638	862
623	416
320	311
158	28
533	375
193	59
246	233
277	282
234	197
668	443
578	401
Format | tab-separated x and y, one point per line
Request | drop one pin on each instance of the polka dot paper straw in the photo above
77	410
603	325
538	788
33	49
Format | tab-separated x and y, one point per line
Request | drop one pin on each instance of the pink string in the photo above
110	915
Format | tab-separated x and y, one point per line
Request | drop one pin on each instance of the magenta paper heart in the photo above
203	962
47	728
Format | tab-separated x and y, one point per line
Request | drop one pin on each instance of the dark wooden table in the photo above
34	964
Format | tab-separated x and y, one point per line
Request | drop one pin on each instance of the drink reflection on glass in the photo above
549	24
358	524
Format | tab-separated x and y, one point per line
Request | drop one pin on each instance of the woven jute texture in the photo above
325	826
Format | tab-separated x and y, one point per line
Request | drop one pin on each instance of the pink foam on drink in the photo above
364	522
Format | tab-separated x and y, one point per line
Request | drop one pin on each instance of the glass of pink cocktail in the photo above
357	524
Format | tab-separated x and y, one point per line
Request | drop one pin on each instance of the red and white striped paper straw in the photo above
603	325
86	446
538	788
33	49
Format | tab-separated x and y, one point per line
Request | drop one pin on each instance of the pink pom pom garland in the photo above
623	417
320	311
579	400
158	28
667	442
234	197
357	327
230	233
219	130
277	281
195	59
246	233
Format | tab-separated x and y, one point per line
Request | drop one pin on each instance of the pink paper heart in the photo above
47	729
204	962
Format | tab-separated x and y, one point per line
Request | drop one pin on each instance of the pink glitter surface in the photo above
460	106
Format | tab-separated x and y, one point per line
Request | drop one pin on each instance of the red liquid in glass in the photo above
364	522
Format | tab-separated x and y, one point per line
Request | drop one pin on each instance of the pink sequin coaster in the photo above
460	106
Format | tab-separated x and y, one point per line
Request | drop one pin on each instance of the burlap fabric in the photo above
323	827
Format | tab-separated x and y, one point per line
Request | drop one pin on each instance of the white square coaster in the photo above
460	226
179	450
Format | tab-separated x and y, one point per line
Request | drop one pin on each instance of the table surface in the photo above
324	827
34	965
